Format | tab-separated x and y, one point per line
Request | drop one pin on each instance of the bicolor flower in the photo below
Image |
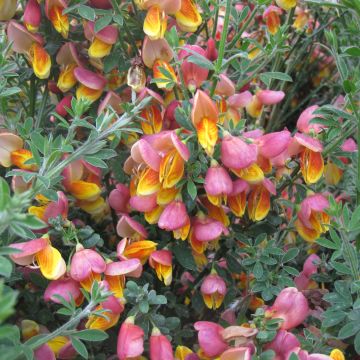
41	252
205	232
20	157
261	98
210	339
160	346
110	309
236	154
52	209
8	144
271	16
91	84
130	228
31	45
311	160
153	50
155	23
237	198
86	267
130	342
188	17
153	121
291	306
204	116
259	200
54	12
218	184
68	59
174	216
213	290
312	219
161	262
215	212
116	272
141	250
32	15
101	41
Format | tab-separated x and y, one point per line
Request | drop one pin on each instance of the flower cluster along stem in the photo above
221	47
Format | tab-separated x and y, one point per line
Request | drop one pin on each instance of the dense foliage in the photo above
179	179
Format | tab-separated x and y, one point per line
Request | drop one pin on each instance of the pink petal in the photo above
89	79
143	153
130	267
128	227
270	97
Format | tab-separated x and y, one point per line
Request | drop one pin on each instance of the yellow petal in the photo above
40	60
98	49
155	23
51	263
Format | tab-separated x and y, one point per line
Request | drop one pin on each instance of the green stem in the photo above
237	37
42	108
70	324
32	96
221	46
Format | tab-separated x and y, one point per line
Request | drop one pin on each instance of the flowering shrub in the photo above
179	179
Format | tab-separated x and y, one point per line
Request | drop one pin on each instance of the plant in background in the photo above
179	179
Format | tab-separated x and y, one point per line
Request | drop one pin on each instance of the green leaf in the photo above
349	86
144	306
191	189
258	270
184	256
290	255
332	318
355	219
96	161
352	51
267	76
4	194
327	244
92	335
349	330
87	12
357	343
79	347
290	270
201	61
341	268
5	267
102	23
9	92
